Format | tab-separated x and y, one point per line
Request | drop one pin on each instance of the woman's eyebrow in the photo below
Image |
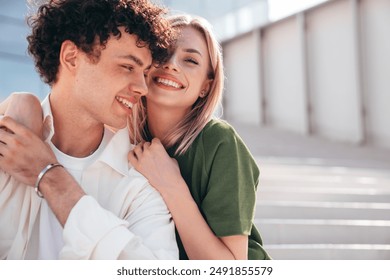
192	51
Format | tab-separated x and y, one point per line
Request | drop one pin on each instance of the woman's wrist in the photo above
177	192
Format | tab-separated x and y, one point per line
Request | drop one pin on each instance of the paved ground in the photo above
320	199
271	145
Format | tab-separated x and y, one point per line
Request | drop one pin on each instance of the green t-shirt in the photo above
222	177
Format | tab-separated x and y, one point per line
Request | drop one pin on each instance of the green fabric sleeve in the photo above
229	204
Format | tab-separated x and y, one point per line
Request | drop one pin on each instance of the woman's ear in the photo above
206	88
68	55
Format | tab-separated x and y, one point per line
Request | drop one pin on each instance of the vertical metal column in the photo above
357	37
301	22
261	75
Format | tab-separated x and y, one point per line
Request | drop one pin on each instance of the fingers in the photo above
130	158
13	133
157	146
144	150
5	135
146	146
5	123
10	124
137	151
6	139
13	136
135	154
156	141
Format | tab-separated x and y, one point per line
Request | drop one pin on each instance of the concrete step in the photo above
313	195
322	210
329	251
315	182
301	178
317	212
317	231
276	171
330	188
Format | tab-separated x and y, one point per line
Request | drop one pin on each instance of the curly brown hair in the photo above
85	22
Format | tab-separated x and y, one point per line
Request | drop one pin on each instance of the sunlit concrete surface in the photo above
319	199
307	212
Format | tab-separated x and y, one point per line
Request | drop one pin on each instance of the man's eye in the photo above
128	67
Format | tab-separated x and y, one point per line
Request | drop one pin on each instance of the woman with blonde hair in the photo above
210	184
199	164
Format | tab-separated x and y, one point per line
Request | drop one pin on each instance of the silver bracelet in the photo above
41	174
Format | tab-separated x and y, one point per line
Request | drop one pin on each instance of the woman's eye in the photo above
191	60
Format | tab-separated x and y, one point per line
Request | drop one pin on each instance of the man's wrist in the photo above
42	174
61	192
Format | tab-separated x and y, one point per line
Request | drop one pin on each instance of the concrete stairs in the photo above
317	212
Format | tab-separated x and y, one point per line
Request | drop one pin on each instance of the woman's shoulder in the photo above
218	135
216	128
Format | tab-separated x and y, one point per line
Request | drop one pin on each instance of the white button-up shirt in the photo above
121	217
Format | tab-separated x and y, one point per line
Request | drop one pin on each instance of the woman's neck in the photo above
162	121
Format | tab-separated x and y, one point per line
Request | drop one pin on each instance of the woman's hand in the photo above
198	239
22	153
152	161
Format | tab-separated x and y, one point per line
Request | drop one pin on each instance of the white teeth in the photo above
168	83
125	102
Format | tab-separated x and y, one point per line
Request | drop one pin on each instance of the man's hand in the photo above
22	153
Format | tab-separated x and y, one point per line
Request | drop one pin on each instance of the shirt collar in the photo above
48	125
117	148
117	145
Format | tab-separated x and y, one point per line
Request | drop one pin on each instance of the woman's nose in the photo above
171	64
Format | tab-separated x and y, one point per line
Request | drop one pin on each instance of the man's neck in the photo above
75	135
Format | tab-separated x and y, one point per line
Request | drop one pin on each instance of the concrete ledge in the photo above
329	251
317	231
322	210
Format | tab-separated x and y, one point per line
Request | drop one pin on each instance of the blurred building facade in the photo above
321	71
229	18
17	71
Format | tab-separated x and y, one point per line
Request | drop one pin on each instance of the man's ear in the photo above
206	88
68	55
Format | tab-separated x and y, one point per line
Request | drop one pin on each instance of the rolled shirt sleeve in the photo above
147	232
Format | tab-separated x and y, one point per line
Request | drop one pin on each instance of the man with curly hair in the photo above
83	201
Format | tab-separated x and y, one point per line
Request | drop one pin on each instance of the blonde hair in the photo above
185	132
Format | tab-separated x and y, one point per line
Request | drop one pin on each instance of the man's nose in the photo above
139	86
